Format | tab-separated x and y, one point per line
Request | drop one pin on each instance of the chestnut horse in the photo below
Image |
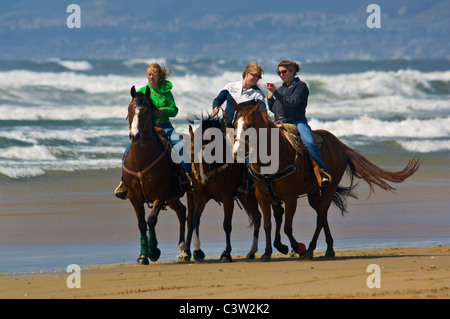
218	179
150	175
299	178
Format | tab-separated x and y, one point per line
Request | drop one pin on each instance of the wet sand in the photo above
79	209
404	273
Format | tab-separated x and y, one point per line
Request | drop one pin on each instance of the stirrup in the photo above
119	192
326	178
186	182
244	190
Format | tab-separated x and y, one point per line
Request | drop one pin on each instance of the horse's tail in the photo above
339	198
361	167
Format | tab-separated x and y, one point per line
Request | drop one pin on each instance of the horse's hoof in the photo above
308	254
265	258
185	256
142	260
330	254
282	248
226	257
250	256
154	254
199	255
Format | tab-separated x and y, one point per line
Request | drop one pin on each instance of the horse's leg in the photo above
328	238
190	229
251	206
265	207
278	212
228	206
142	225
153	251
290	207
321	205
199	255
180	210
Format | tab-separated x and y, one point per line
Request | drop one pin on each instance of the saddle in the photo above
293	136
291	133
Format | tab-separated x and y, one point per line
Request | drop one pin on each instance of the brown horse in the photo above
217	180
295	176
150	176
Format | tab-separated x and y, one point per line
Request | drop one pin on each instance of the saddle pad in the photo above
291	132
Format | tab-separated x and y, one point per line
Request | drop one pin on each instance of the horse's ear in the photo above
256	107
133	91
147	92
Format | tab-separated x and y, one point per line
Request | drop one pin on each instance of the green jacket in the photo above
162	98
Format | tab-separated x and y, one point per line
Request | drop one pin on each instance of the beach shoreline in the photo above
403	273
60	213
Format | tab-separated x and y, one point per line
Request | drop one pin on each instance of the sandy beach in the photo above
79	209
404	273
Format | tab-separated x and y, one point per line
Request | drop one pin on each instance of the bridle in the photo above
140	175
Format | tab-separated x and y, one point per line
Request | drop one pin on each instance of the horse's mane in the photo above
208	121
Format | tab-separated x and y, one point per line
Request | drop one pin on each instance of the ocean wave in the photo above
35	152
31	169
72	65
425	146
62	113
69	115
407	83
19	81
372	127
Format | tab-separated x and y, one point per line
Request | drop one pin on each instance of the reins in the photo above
140	175
268	179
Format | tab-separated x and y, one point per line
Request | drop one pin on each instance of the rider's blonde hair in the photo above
160	71
253	68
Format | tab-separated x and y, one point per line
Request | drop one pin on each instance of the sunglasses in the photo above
255	76
282	72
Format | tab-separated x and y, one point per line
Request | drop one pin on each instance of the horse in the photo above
296	176
150	176
218	180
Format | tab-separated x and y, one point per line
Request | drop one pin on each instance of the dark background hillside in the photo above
322	29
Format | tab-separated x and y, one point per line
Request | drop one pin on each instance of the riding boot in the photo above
185	181
247	186
121	191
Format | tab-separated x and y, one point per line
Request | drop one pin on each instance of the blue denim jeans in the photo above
305	134
174	139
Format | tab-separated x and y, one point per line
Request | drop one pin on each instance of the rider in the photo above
289	104
244	93
162	98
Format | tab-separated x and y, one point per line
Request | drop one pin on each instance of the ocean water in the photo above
61	115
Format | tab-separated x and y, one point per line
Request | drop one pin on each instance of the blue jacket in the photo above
290	101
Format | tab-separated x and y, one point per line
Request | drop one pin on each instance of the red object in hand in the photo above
270	85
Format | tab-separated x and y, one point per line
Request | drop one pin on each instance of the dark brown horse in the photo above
295	176
150	176
217	179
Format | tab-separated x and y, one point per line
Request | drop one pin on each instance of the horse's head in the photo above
140	116
247	117
210	129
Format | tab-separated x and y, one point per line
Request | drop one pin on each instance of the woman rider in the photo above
162	98
289	103
244	93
